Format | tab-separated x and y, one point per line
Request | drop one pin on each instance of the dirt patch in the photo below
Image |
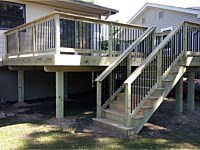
165	123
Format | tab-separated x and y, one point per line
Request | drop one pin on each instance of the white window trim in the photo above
166	29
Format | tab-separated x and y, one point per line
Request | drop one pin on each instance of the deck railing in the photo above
157	66
148	76
110	81
63	33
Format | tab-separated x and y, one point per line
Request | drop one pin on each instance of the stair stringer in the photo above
167	88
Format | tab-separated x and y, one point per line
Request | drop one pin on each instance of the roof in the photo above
173	8
77	6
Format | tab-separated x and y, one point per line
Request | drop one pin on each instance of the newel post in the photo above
159	67
185	37
129	65
99	97
128	104
57	33
34	39
110	39
18	42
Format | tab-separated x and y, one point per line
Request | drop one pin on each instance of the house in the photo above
56	53
15	13
164	18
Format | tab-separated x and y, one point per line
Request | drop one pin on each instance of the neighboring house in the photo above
164	18
15	13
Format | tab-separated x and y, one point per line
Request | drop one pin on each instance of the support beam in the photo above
20	86
179	96
66	95
99	97
191	90
59	95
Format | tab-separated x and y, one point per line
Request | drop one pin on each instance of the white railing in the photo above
62	33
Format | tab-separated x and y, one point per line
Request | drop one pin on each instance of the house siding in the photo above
38	84
171	18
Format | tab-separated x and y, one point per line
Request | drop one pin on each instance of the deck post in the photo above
159	67
20	86
59	95
57	33
191	91
110	39
129	65
99	97
128	104
179	96
66	96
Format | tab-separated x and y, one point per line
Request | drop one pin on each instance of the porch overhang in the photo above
77	6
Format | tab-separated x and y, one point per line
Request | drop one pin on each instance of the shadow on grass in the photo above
179	132
60	139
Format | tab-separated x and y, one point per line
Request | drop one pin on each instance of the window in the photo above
11	15
161	15
168	29
144	20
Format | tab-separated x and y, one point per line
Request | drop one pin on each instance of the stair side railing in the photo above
153	69
110	81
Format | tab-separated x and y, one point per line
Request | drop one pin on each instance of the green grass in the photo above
42	136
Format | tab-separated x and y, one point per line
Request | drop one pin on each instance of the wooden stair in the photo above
113	117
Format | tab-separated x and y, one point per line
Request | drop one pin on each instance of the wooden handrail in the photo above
138	71
76	17
117	61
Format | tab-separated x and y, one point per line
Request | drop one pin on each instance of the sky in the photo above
127	8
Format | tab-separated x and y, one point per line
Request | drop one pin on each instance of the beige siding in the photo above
171	18
35	11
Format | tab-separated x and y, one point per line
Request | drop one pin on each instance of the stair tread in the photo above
138	117
160	88
146	107
174	71
167	80
153	97
113	123
116	112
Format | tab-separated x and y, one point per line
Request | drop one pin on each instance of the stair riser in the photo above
113	116
123	132
135	122
143	111
157	93
118	106
165	84
121	97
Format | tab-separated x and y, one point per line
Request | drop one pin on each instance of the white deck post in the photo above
128	105
110	39
99	97
59	95
191	90
179	96
66	95
20	86
57	33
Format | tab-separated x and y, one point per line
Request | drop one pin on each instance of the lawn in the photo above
33	130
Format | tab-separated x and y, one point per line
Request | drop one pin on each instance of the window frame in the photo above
161	15
144	20
15	4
